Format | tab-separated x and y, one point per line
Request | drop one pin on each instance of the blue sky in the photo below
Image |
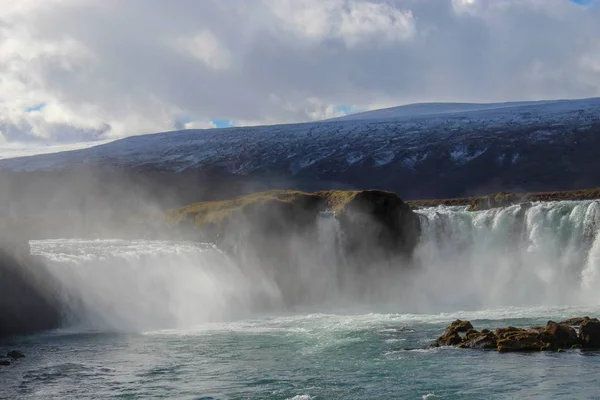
223	123
584	2
37	107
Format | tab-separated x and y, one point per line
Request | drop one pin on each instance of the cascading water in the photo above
534	254
139	285
544	254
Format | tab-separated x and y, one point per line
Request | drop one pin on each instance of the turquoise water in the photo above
310	356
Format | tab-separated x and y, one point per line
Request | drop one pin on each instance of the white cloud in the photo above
75	70
205	47
352	21
465	6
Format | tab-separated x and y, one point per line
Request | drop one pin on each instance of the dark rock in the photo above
460	326
502	332
15	354
379	225
452	337
525	340
481	341
375	231
4	362
589	333
28	294
551	337
472	334
559	335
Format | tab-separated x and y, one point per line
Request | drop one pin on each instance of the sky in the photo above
75	71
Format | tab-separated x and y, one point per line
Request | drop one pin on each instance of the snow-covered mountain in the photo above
437	149
421	109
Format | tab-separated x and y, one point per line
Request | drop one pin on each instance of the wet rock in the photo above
460	326
15	354
472	334
589	333
550	337
452	337
559	335
502	332
481	341
524	340
4	362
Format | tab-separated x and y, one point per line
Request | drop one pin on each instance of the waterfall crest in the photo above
141	285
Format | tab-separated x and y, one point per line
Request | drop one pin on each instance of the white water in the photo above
545	257
550	255
138	285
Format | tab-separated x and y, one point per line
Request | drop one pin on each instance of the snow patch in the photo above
353	158
409	162
462	155
384	157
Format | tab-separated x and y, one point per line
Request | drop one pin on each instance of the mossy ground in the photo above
584	194
215	211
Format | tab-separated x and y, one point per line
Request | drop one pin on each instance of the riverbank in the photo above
503	199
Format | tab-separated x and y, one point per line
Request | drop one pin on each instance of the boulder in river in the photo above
452	335
552	336
589	333
560	336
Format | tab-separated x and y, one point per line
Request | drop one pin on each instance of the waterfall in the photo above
533	254
140	285
541	254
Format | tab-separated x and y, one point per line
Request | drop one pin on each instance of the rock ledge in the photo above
574	333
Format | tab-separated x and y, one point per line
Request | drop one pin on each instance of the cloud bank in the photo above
81	70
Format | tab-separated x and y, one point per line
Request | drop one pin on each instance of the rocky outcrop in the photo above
553	336
589	331
368	219
282	231
28	294
378	224
452	336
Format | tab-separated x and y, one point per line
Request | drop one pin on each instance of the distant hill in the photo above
420	151
421	109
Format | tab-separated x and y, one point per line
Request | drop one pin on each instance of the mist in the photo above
113	262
